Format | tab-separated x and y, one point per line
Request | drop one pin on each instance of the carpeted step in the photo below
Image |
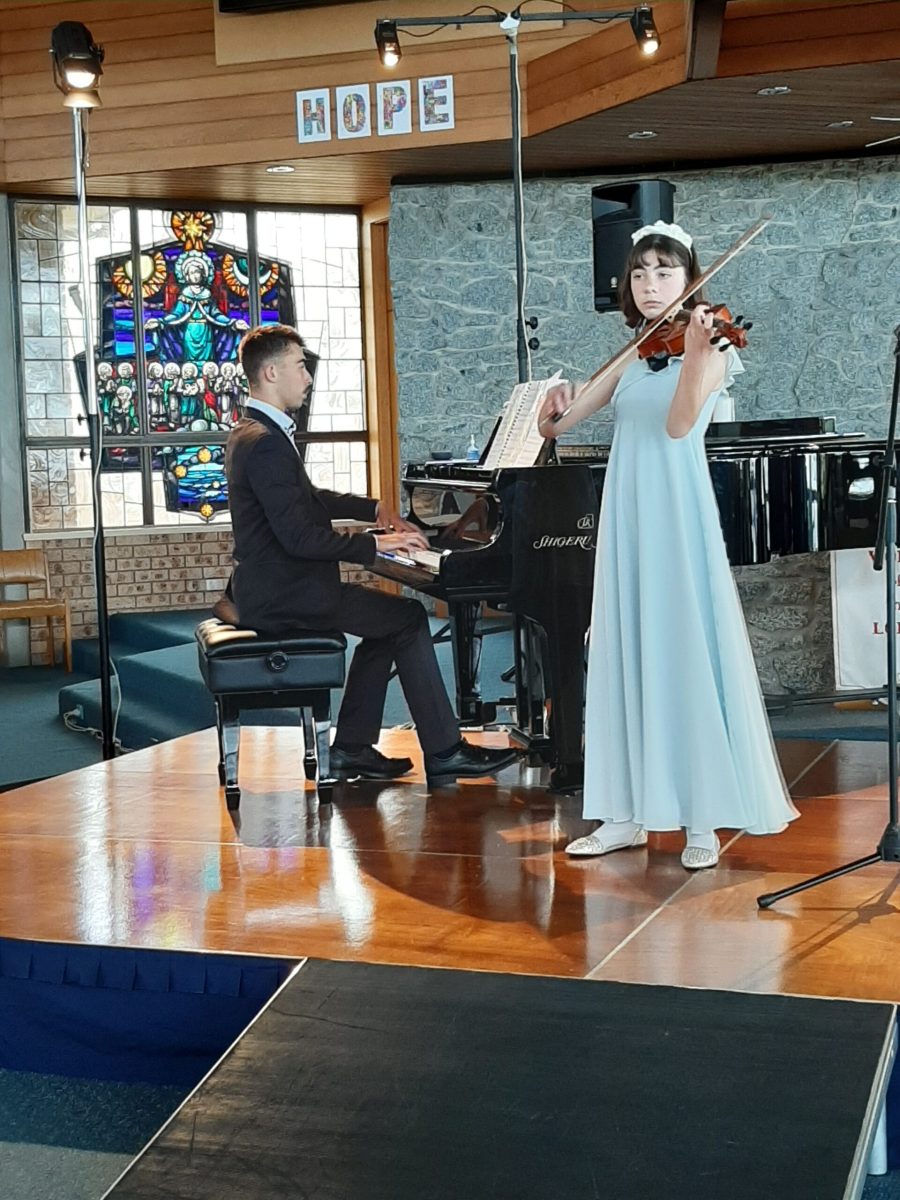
156	630
164	696
136	633
86	655
139	724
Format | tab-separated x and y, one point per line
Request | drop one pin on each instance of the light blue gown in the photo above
676	732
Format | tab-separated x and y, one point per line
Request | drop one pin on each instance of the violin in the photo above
668	339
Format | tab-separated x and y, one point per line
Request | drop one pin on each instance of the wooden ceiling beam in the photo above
706	21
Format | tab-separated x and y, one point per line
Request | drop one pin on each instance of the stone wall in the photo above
814	283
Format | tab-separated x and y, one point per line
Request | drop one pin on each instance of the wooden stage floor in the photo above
141	852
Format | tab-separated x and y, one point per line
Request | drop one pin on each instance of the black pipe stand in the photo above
888	849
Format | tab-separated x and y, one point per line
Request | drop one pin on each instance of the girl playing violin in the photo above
676	733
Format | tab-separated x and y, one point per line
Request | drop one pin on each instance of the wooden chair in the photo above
30	566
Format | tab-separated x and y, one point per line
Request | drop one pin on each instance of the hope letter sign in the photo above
353	114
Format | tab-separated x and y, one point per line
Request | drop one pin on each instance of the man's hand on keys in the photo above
401	543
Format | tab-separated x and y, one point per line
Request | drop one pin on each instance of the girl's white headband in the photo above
662	229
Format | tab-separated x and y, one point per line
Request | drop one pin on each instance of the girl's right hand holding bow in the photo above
557	402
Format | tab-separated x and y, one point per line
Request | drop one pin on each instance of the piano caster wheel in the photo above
567	779
531	776
310	768
325	791
221	774
233	798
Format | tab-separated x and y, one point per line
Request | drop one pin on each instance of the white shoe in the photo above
595	844
698	858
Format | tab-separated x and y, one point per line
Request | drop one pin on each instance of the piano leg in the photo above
550	675
564	669
466	645
530	690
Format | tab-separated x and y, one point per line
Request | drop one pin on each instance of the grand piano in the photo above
522	540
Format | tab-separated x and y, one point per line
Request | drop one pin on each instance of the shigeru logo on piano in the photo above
581	541
577	541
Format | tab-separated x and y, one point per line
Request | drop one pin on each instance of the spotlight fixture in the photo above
645	31
388	43
641	135
76	64
280	169
839	124
778	89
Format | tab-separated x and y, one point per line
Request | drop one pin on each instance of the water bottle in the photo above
473	454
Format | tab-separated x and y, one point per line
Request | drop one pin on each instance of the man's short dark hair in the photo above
261	345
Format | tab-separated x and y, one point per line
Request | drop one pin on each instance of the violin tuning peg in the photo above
738	321
724	347
749	325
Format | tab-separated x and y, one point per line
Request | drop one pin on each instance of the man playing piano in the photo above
287	576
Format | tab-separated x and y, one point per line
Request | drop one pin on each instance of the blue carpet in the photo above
34	743
83	1114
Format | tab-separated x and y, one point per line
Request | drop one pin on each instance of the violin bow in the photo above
733	250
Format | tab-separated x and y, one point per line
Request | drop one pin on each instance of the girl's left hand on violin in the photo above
700	334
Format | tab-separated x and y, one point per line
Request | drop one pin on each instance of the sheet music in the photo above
518	441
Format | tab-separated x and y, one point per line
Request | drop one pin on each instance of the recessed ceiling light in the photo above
281	169
779	89
640	134
839	124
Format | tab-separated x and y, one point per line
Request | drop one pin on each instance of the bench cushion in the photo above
234	660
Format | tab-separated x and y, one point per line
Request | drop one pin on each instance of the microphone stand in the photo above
888	849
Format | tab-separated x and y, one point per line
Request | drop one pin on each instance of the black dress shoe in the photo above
367	763
467	762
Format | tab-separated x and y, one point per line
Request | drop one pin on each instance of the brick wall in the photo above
145	572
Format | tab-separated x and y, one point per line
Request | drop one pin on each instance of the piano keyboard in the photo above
429	560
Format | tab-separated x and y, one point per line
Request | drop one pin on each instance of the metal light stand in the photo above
510	26
888	849
95	435
509	22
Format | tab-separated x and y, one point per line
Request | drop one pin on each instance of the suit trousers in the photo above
393	629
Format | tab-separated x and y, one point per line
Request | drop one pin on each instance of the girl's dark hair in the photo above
260	345
671	254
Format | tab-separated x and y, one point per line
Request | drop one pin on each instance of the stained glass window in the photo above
168	382
194	480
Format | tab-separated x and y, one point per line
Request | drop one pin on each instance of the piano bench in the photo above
244	669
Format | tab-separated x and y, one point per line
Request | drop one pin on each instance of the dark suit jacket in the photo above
286	553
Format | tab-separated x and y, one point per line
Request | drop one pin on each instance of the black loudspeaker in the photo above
618	210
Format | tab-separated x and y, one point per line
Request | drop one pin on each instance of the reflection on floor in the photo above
142	852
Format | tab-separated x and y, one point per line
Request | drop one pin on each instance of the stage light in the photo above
388	43
645	30
76	64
